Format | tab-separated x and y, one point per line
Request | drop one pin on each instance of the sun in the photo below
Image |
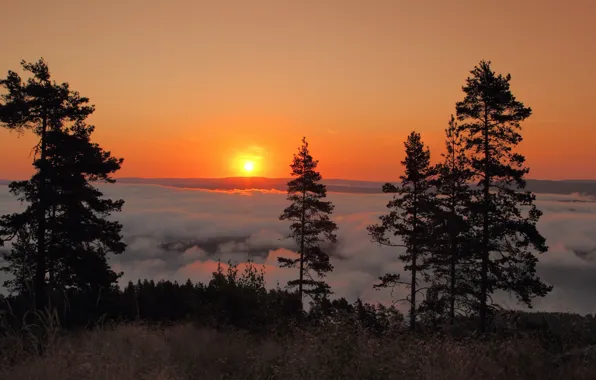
249	166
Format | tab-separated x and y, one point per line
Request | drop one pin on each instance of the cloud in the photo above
176	234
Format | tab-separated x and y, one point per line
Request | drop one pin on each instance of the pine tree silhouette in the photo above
410	216
60	195
41	105
503	216
310	225
450	235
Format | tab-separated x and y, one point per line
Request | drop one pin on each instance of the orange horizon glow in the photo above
198	89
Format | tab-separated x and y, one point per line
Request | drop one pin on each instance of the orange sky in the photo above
183	88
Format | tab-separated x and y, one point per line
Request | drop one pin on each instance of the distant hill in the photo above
582	186
245	183
341	185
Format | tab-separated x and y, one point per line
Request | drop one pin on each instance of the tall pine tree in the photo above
77	236
503	215
310	226
410	217
41	105
450	234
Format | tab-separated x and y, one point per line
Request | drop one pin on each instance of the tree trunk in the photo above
413	293
453	233
485	229
51	259
452	275
413	284
40	269
301	277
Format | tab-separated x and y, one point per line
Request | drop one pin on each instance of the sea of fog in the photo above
176	234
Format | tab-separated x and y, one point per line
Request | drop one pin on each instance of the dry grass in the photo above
185	352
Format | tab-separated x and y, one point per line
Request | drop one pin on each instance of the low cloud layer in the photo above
176	234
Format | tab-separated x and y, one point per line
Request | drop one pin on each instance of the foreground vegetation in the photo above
233	328
342	351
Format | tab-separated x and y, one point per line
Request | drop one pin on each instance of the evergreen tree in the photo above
410	216
130	303
310	225
450	238
78	237
503	215
41	105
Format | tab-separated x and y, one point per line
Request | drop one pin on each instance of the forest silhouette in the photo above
465	229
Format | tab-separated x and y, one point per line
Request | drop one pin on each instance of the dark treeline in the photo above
232	298
464	228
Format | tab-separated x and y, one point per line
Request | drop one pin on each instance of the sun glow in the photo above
247	162
248	166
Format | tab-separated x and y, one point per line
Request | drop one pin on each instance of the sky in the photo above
194	88
176	234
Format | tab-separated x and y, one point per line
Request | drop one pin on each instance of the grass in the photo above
339	352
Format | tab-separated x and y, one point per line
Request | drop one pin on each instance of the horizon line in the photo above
331	179
286	178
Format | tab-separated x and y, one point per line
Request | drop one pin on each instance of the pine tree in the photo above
130	302
410	216
504	216
451	229
41	105
76	234
310	225
78	237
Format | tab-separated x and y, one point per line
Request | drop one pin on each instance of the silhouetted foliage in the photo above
78	237
503	216
243	301
450	233
41	105
410	217
231	299
309	217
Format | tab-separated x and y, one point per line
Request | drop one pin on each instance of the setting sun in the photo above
249	166
247	161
